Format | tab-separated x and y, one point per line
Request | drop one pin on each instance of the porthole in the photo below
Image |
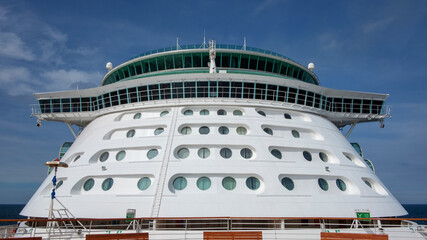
76	158
295	133
237	113
268	131
186	130
341	185
104	157
225	153
203	153
130	133
241	131
323	184
204	130
152	153
323	156
287	116
107	184
229	183
188	112
120	155
348	157
261	113
88	185
183	153
203	183
144	183
246	153
223	130
252	183
204	112
59	184
164	113
368	183
137	116
276	153
307	156
179	183
221	112
288	183
158	131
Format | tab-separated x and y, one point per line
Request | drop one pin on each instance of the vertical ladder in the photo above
164	167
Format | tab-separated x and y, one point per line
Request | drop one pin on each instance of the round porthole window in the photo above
120	155
158	131
130	133
223	130
107	184
186	131
287	116
323	184
225	153
204	112
252	183
341	185
237	113
241	131
152	153
183	153
276	153
268	131
221	112
261	113
203	153
246	153
179	183
307	155
137	116
164	113
104	157
204	130
323	156
188	112
144	183
203	183
295	133
88	185
229	183
288	183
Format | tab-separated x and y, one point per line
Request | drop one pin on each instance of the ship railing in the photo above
56	228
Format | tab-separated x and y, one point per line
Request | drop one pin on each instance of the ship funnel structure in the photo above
212	56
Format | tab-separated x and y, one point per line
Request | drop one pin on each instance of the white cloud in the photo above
67	79
374	26
265	4
17	81
12	46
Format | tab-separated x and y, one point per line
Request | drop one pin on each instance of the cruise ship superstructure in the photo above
213	131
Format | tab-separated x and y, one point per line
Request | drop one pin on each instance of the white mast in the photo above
212	55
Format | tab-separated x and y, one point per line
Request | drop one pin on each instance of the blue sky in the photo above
372	46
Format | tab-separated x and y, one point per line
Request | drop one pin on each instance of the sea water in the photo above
11	211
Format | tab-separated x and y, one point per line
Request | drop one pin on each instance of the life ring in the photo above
12	234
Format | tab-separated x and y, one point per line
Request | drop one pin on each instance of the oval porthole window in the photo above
307	155
287	116
203	183
229	183
188	112
252	183
179	183
246	153
223	130
204	112
144	183
348	157
77	158
225	153
183	153
237	113
137	116
323	156
221	112
276	153
295	133
120	155
88	185
368	183
104	157
158	131
107	184
323	184
186	131
261	113
268	131
241	131
152	153
341	185
164	113
203	153
204	130
288	183
130	133
59	184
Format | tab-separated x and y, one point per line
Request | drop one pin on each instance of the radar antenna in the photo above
212	56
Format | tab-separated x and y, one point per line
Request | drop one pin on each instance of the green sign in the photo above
130	213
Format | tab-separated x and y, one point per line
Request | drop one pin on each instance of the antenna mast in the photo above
212	56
